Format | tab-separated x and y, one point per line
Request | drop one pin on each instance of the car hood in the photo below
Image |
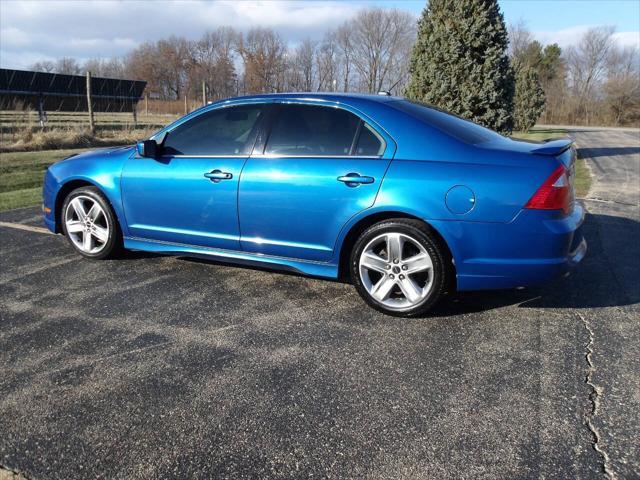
100	153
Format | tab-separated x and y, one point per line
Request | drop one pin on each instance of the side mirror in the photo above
147	148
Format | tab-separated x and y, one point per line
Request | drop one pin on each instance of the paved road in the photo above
157	367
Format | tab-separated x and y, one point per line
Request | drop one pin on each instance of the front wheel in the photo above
399	267
89	223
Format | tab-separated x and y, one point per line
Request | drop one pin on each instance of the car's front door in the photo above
189	194
320	166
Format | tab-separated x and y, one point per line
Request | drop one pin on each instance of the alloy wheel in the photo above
396	270
87	224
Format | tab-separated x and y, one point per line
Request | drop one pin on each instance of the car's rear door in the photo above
189	194
320	166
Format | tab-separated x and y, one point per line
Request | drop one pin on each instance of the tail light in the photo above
556	193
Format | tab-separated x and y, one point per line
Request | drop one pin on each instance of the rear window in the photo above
457	127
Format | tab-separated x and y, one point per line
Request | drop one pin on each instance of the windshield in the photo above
453	125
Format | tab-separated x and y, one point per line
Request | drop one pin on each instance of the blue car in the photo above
407	201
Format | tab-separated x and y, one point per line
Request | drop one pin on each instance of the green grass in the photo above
21	176
583	177
540	134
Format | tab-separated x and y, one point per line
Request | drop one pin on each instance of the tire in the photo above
86	211
409	283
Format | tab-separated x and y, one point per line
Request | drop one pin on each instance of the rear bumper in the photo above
532	249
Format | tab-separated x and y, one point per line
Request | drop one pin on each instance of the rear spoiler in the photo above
553	147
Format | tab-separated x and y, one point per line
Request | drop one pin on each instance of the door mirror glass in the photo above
147	148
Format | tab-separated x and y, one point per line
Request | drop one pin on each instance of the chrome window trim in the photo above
206	156
338	106
271	155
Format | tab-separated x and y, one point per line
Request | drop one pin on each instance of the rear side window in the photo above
224	131
370	144
307	130
457	127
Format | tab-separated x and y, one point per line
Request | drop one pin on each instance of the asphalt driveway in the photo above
159	367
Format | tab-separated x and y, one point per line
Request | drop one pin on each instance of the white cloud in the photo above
571	36
52	29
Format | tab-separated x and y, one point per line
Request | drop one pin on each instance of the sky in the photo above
32	30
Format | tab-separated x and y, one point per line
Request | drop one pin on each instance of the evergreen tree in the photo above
460	64
529	99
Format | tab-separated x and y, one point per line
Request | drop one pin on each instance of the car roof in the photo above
330	96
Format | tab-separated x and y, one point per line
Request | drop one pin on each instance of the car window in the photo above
224	131
457	127
312	130
369	142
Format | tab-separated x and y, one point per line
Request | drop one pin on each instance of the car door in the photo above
320	166
189	194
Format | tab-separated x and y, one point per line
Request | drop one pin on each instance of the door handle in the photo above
216	175
355	179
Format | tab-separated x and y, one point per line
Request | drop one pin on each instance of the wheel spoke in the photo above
373	262
94	212
410	290
75	226
87	241
382	289
394	246
418	263
100	233
76	203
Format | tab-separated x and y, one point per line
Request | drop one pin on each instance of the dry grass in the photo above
71	138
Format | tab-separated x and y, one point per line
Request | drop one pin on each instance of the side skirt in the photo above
306	267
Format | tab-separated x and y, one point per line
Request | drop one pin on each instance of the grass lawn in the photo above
583	177
21	176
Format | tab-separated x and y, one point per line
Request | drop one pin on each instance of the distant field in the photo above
21	176
17	128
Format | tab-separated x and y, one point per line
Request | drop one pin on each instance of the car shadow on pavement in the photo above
608	276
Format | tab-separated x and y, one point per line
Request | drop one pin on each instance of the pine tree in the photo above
529	99
460	64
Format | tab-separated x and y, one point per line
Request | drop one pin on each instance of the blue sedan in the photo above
407	201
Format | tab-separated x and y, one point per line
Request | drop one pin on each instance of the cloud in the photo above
53	29
572	35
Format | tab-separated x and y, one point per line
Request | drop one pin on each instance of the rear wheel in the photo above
399	267
89	223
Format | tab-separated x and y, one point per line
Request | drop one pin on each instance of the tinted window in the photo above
224	131
464	130
312	130
369	142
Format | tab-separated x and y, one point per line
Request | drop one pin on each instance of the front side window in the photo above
224	131
307	130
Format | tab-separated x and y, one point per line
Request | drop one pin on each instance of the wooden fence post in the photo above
146	104
204	93
89	105
185	104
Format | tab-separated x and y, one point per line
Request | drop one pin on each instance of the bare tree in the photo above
43	66
344	42
214	56
382	41
587	63
67	66
622	87
519	39
301	68
327	64
264	56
